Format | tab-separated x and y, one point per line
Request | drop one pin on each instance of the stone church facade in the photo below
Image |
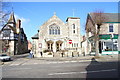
56	38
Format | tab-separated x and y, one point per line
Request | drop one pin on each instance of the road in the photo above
60	69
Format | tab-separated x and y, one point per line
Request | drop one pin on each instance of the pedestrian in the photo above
31	54
72	54
41	54
78	54
62	54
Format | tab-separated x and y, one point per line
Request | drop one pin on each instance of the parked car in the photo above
5	57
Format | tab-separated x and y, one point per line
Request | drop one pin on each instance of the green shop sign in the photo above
108	36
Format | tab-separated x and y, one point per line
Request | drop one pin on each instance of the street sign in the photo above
70	41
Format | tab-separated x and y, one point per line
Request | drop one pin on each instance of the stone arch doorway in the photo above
59	45
50	45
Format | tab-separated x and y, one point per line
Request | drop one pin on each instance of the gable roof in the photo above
53	18
12	18
112	17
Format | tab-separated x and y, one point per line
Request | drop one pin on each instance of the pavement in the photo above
25	60
106	58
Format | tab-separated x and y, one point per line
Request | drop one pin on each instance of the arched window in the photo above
73	28
54	29
50	31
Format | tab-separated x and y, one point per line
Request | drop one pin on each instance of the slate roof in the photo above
12	18
112	17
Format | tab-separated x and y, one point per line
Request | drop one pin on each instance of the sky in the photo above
34	14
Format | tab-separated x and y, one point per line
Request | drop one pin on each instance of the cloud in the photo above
23	20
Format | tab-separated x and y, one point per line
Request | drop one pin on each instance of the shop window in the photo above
111	46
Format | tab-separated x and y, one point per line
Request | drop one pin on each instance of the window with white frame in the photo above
110	27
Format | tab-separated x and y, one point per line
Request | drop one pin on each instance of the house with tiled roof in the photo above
13	39
108	36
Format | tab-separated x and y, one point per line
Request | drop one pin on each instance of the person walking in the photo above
41	54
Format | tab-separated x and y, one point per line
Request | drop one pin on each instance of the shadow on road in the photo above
102	70
21	56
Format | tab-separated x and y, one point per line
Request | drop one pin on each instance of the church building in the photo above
58	39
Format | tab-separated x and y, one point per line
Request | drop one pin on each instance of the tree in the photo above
98	18
4	13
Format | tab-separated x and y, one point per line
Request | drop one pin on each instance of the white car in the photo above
5	57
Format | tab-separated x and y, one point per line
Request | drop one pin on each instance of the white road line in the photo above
13	64
85	61
102	70
73	61
60	62
18	69
82	72
35	63
66	61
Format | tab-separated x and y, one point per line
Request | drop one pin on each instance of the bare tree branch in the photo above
4	13
99	18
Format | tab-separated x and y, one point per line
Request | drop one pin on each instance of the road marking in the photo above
102	70
84	61
82	72
73	61
60	62
13	64
66	61
35	63
18	69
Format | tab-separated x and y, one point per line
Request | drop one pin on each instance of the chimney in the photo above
18	25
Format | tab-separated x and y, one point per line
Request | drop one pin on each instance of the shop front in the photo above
108	45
